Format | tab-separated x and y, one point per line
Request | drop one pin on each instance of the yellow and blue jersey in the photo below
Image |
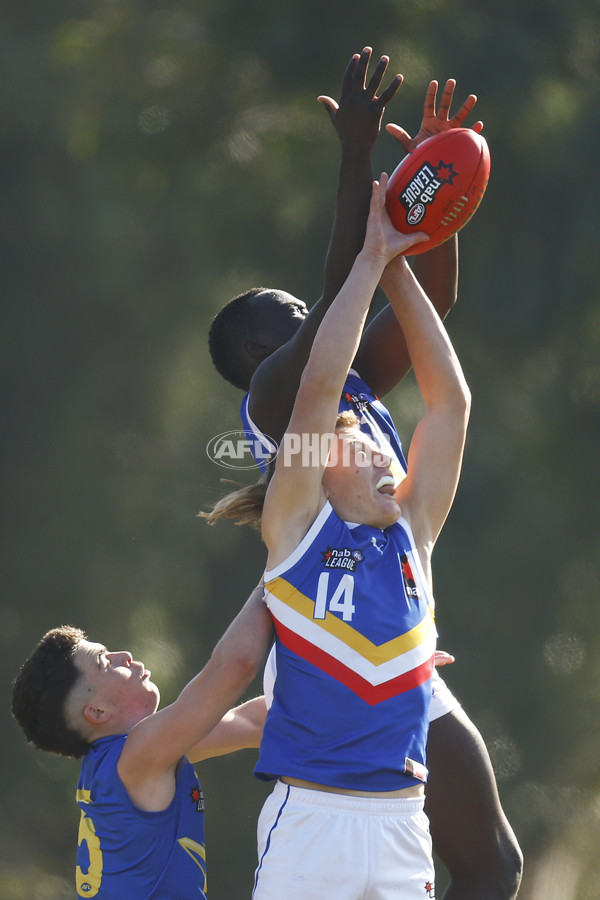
127	852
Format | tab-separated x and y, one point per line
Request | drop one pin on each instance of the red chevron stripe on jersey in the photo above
371	694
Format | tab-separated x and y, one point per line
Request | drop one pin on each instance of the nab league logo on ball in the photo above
235	450
423	187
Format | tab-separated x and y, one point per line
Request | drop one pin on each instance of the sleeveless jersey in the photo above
355	639
126	852
357	397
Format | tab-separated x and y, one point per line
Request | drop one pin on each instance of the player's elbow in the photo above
237	672
451	295
457	400
247	660
249	664
463	410
465	399
320	378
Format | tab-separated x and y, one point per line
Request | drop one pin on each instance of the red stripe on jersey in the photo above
371	694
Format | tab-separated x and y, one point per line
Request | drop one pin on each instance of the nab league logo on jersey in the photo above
197	797
410	585
342	559
360	402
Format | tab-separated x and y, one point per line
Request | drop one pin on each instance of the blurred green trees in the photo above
156	160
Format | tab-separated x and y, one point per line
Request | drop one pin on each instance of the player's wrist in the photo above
357	146
372	259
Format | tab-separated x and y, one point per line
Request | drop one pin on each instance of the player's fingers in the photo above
349	73
378	196
429	105
477	127
383	182
402	136
417	237
360	70
391	90
446	98
464	111
330	105
375	198
377	76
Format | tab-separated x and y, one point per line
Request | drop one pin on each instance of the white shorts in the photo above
442	699
313	845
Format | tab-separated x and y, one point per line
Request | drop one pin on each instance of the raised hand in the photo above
359	112
382	241
434	122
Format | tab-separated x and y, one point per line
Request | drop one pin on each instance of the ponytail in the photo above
244	505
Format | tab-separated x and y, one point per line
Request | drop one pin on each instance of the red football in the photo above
438	187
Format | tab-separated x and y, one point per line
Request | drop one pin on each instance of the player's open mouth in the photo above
386	485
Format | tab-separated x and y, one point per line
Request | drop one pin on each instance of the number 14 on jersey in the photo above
337	600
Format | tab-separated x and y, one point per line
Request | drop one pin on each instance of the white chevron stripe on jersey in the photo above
378	672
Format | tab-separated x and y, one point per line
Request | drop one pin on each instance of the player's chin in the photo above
153	695
388	510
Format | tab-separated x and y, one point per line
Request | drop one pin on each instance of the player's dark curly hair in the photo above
226	336
41	689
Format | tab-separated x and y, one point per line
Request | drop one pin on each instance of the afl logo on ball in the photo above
415	214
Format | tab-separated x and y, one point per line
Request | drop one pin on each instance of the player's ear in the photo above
257	350
252	347
95	715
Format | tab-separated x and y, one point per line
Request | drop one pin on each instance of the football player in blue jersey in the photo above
348	585
260	342
141	833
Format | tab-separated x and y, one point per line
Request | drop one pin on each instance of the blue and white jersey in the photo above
355	641
357	396
127	852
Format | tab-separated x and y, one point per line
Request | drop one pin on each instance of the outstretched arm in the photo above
383	358
436	449
295	494
357	120
157	743
239	729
